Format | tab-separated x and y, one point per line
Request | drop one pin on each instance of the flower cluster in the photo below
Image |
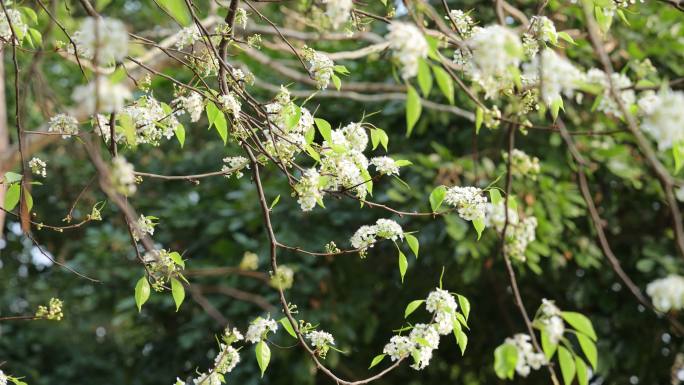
20	28
338	12
550	318
385	165
250	261
495	50
663	117
443	305
320	66
527	358
122	176
233	165
259	329
285	138
3	378
558	75
38	166
309	190
464	23
321	341
408	45
101	95
52	312
186	37
468	200
150	120
103	37
225	361
283	278
144	225
541	30
667	293
366	235
161	267
523	164
622	85
344	161
63	124
193	104
519	232
230	104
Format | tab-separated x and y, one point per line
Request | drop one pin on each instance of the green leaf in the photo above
505	359
495	196
412	306
36	36
582	372
12	196
444	82
336	81
567	365
340	69
548	347
177	9
274	203
580	322
375	138
180	134
222	126
129	129
461	339
589	349
479	225
263	356
312	153
437	197
556	106
464	304
288	327
212	113
413	243
424	77
29	200
142	292
178	292
566	37
30	14
377	359
292	119
324	128
413	109
678	154
479	118
403	264
177	259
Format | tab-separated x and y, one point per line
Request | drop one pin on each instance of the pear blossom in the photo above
667	293
63	124
663	117
38	166
259	328
109	98
102	36
408	46
468	200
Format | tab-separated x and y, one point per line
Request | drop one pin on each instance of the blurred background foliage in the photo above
104	340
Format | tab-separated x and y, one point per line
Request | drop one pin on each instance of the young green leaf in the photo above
580	322
403	265
412	306
445	83
178	292
424	77
274	203
413	243
336	81
142	292
324	128
479	225
589	349
582	371
567	365
548	347
29	200
222	126
263	356
177	259
177	9
461	339
377	359
212	113
288	327
495	196
437	197
413	109
464	304
479	118
12	196
505	359
180	134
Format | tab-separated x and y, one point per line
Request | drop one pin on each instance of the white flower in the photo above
338	11
667	293
150	120
363	237
518	236
211	378
110	97
322	68
388	229
122	176
259	328
495	216
621	84
468	200
355	136
408	46
555	329
283	278
464	23
423	357
425	335
64	124
3	378
226	360
308	190
20	28
188	36
144	225
541	29
385	165
320	339
663	118
193	104
231	104
495	49
37	166
102	36
558	75
398	347
527	358
234	166
440	300
523	164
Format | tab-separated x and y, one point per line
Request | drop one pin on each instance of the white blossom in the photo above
468	200
495	216
663	117
150	120
38	166
20	28
102	36
63	124
464	23
518	236
667	293
144	225
558	75
123	176
321	341
523	164
363	237
193	104
495	49
338	11
388	229
398	347
440	300
3	378
385	165
231	104
527	358
186	37
356	136
622	85
234	166
321	66
408	46
308	190
226	360
211	378
109	98
259	328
